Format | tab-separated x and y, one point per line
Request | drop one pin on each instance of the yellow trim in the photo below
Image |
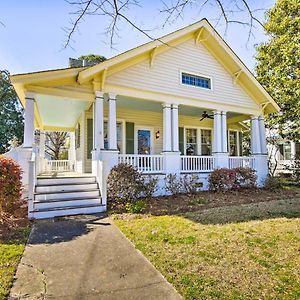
51	91
57	128
152	56
49	75
237	119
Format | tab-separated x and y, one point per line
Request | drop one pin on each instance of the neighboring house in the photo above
283	154
173	105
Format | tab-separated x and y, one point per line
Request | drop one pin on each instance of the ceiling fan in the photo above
206	115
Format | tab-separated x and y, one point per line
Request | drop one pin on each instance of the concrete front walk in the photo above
85	257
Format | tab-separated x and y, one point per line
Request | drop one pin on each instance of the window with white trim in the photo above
233	143
206	140
195	80
119	135
191	141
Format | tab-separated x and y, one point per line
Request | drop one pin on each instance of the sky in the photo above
32	37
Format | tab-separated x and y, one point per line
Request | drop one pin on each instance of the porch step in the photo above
66	196
56	188
41	181
67	211
42	204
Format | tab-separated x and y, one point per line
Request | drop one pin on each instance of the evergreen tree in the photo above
11	113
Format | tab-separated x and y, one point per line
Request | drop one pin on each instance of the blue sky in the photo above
32	37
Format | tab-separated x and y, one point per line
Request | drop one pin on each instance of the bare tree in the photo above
227	11
55	143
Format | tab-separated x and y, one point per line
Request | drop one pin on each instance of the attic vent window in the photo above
195	80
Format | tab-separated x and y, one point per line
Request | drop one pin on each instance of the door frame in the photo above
136	129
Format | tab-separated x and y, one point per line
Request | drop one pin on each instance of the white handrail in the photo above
190	164
147	164
31	182
241	161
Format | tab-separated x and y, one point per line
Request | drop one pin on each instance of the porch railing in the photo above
241	161
191	164
57	166
147	164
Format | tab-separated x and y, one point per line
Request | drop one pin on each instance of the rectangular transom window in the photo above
195	80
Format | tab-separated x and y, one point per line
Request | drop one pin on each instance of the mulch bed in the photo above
11	226
169	205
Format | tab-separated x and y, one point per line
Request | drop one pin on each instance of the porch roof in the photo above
62	82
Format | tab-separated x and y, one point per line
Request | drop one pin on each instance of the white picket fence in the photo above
241	161
147	164
190	164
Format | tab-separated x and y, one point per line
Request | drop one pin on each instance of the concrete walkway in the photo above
82	258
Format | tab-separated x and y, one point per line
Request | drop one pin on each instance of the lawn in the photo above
241	251
13	236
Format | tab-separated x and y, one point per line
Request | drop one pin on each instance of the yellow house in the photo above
173	105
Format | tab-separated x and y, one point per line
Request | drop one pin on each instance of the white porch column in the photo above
217	144
72	150
255	136
112	122
42	145
262	135
175	133
293	150
224	131
98	122
220	152
167	131
29	121
259	149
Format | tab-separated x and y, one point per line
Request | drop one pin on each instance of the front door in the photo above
144	141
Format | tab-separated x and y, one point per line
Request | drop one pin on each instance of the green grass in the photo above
10	254
238	252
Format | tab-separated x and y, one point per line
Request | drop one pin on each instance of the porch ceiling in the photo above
146	105
59	113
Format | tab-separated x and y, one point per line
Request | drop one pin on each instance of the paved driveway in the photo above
85	257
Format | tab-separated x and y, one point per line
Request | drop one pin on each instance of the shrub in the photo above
221	179
135	207
10	185
245	177
190	183
173	184
227	179
124	183
150	186
273	183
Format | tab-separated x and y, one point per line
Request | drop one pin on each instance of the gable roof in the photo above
201	31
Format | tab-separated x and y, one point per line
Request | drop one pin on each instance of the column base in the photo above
261	167
221	160
172	162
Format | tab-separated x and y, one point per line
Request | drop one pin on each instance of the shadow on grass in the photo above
60	230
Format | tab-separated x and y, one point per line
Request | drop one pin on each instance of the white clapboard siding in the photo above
164	76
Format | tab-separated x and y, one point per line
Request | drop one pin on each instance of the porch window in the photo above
191	141
206	142
233	143
195	80
119	136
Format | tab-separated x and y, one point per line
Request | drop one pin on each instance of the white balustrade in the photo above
190	164
147	164
50	166
241	161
